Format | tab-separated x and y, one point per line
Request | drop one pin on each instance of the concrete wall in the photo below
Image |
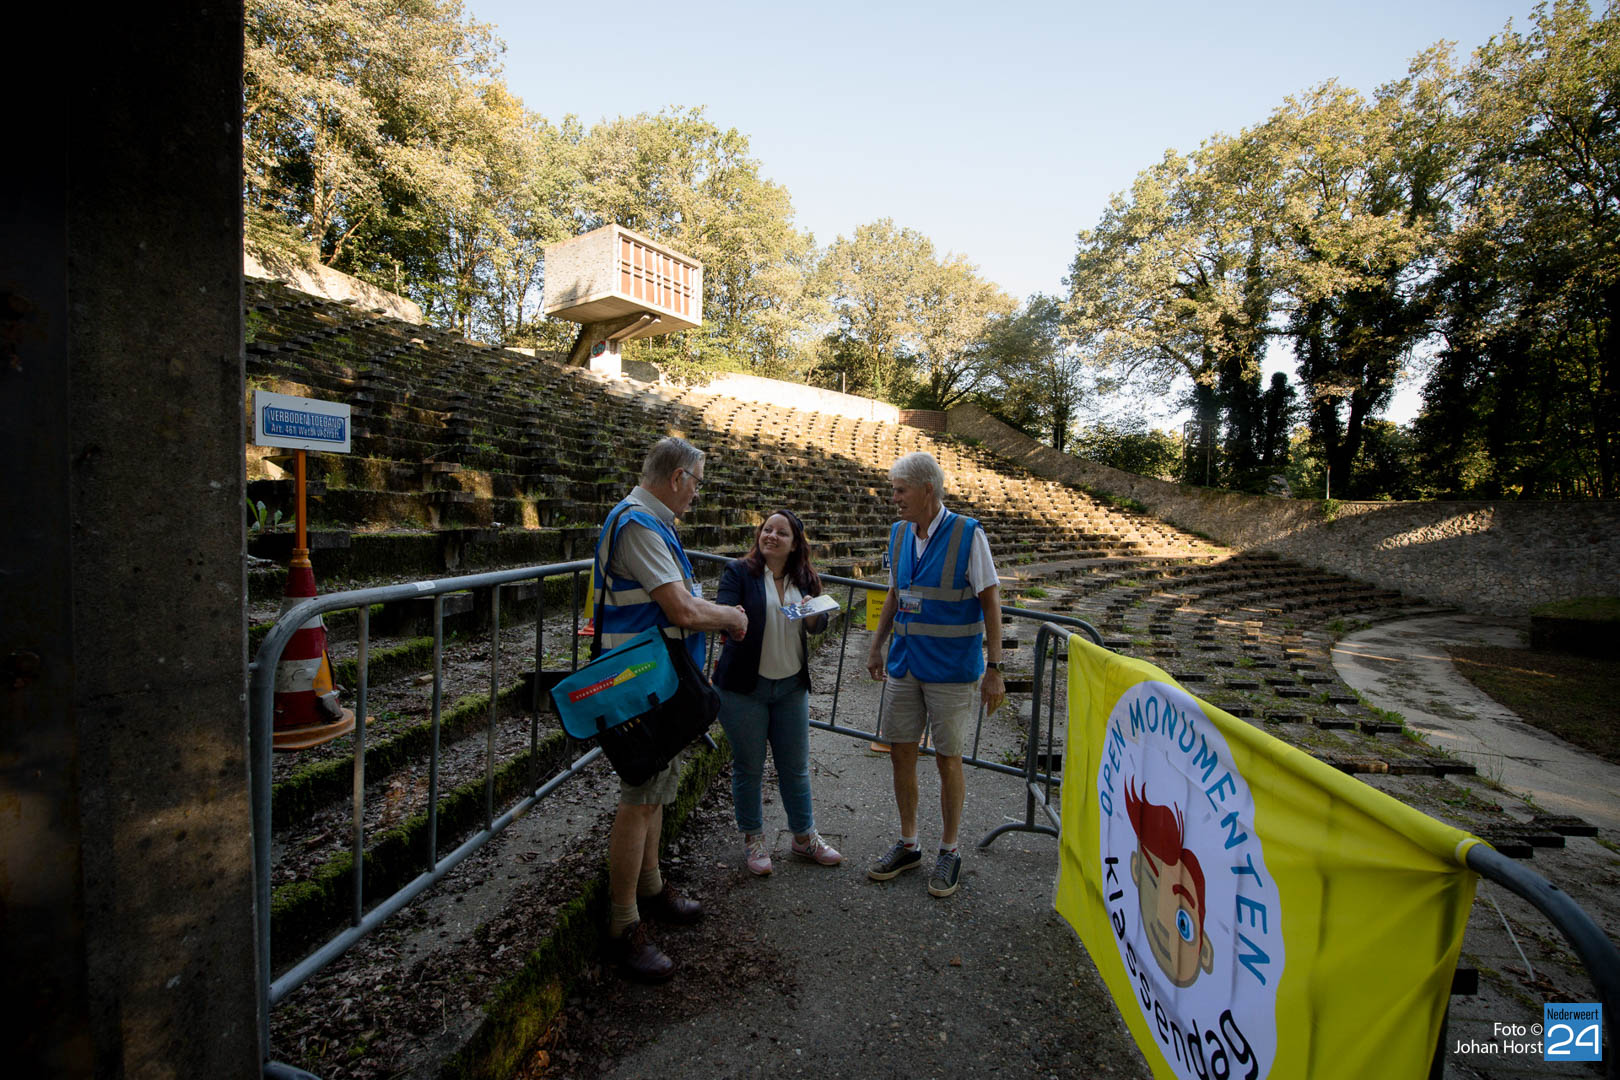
1501	557
798	396
125	861
318	280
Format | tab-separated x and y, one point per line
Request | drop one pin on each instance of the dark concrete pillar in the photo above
125	855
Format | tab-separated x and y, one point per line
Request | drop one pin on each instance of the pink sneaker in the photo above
816	849
758	858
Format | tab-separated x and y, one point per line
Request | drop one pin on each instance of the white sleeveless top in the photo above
782	653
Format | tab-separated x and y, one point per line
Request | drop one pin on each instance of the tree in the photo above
1364	199
350	123
1277	409
956	312
1036	372
677	177
910	327
1525	396
1175	283
872	282
513	194
1134	448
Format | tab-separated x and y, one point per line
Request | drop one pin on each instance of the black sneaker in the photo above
947	868
897	859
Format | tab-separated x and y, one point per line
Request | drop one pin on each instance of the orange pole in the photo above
300	555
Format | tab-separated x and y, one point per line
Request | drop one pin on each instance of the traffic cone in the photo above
307	710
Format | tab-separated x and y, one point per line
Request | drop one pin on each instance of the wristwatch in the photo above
992	665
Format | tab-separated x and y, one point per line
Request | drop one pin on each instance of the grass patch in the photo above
1586	608
1566	695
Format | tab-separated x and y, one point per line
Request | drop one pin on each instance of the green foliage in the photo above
680	178
1362	228
1176	283
1330	509
1524	399
911	327
1586	608
261	519
1132	448
1463	215
1037	374
352	121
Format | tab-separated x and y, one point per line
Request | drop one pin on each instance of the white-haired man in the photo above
944	609
650	582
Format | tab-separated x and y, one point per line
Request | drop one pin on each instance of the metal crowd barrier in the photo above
1041	771
261	704
851	585
1596	952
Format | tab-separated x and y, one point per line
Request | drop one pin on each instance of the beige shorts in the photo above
948	708
660	790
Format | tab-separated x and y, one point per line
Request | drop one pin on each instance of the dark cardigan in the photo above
737	669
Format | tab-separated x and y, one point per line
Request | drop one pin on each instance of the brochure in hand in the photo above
816	605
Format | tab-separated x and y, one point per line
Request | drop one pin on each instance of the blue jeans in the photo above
778	712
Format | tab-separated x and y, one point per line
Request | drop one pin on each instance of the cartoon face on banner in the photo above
1195	913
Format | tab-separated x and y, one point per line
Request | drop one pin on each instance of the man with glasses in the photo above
650	582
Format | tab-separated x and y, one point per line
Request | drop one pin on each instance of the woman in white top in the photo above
764	683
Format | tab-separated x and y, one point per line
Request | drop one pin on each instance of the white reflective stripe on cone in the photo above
296	676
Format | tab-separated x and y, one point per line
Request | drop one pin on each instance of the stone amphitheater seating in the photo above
468	457
508	451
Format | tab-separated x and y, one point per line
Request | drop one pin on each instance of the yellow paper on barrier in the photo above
874	609
1254	912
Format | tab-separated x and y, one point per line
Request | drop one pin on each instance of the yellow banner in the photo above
1254	912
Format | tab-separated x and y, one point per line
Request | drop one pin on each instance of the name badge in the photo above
910	603
697	590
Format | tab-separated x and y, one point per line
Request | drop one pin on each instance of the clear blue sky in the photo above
997	130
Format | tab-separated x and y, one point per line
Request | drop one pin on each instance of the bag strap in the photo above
611	528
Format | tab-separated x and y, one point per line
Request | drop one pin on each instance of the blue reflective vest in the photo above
624	607
943	640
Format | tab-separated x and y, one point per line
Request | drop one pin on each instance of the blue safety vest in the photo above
943	639
626	609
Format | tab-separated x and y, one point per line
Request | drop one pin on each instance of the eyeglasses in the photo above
697	481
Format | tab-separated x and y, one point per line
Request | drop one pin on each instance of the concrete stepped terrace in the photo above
450	435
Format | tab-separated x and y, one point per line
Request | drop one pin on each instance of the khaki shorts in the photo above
909	706
659	791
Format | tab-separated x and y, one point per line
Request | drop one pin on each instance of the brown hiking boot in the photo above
670	906
639	958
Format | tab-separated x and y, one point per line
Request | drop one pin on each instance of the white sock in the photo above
949	849
622	918
909	841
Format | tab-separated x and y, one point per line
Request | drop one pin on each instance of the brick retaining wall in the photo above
926	419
